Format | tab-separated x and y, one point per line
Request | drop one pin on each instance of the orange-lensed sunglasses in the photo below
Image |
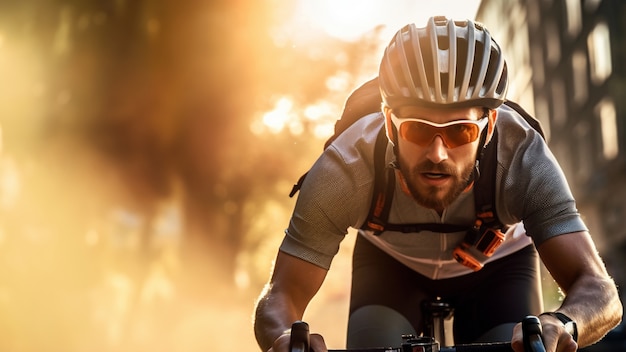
454	133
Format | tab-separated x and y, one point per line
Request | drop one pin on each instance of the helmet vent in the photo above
453	63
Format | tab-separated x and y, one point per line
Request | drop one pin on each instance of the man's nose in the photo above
437	150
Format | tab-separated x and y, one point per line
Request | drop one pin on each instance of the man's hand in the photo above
591	296
282	343
555	337
292	285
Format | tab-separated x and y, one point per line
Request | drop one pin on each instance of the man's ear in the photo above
388	123
491	127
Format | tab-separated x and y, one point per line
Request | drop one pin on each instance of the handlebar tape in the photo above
480	347
300	339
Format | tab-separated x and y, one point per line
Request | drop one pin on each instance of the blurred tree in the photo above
163	93
111	108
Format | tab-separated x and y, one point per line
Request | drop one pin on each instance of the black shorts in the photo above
503	291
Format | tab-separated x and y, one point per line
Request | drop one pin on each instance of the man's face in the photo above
436	169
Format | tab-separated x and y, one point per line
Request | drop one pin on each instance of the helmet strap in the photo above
479	155
396	143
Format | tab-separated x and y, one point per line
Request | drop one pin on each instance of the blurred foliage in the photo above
130	176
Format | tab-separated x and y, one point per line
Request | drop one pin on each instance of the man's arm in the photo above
293	284
591	297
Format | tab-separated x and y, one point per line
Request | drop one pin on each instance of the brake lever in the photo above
531	332
300	338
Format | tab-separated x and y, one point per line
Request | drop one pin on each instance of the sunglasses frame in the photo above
480	123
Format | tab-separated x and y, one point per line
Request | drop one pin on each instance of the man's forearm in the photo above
591	297
284	300
595	306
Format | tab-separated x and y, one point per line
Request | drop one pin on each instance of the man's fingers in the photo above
281	344
318	344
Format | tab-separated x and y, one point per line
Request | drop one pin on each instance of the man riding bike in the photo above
443	89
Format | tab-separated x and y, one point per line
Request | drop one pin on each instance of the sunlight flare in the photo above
350	19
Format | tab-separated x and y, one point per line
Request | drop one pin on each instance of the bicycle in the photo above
531	328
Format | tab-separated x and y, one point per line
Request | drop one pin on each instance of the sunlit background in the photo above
147	150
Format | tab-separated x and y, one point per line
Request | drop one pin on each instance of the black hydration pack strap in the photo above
296	187
485	184
384	186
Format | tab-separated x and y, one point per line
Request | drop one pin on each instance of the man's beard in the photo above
429	196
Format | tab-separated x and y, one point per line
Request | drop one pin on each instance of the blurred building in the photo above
566	59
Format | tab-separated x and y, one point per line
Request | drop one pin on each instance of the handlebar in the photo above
480	347
531	328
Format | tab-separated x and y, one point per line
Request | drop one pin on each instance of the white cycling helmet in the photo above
445	64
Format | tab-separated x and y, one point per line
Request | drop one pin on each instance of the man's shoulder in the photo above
360	135
352	152
511	117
